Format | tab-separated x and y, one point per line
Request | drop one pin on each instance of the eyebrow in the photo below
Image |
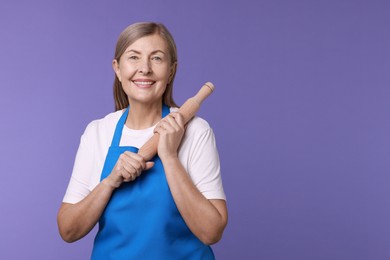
153	52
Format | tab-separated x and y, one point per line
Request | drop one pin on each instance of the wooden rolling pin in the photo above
187	110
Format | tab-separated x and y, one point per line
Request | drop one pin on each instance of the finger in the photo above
164	127
134	156
128	170
170	125
149	165
134	165
135	159
159	127
170	119
126	176
178	118
129	166
129	179
155	130
130	175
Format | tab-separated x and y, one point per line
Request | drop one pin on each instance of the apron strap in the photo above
165	111
121	123
119	127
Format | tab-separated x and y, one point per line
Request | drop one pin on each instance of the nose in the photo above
144	67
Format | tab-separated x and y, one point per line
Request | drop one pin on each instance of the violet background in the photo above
300	112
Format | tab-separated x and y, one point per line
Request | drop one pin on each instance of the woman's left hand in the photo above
171	131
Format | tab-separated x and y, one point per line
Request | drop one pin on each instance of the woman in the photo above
172	207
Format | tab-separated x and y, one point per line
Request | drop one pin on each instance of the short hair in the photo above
128	36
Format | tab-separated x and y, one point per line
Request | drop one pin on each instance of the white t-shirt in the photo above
197	152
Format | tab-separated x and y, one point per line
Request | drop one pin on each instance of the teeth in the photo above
143	82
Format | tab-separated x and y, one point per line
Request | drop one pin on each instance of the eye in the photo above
156	58
133	57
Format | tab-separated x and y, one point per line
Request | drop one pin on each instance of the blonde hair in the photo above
128	37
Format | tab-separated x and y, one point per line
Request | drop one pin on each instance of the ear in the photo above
173	70
115	67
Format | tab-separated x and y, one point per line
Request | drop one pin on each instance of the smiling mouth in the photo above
143	83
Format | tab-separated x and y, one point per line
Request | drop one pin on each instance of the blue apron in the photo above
141	220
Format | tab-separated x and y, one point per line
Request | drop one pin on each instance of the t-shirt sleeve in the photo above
79	184
204	166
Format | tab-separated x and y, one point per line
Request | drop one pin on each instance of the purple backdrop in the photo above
301	115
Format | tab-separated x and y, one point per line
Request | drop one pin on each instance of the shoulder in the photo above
198	134
103	126
198	126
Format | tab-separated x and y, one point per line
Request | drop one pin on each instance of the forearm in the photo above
76	220
206	219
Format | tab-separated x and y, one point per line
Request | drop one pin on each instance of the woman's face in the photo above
145	69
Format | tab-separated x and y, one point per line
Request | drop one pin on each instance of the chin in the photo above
145	100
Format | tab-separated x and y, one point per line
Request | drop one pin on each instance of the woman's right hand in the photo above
76	220
128	167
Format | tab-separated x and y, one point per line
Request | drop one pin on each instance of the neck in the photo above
142	116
